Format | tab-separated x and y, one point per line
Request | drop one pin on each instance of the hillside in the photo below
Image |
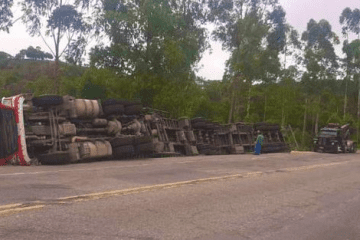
16	75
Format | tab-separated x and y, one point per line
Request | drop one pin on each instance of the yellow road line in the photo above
311	166
300	152
18	207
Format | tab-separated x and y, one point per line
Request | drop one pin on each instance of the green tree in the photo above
6	15
4	59
64	20
244	27
37	54
321	64
163	38
350	19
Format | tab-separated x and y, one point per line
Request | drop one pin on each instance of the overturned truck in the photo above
58	130
53	129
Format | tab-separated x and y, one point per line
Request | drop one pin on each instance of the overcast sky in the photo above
298	13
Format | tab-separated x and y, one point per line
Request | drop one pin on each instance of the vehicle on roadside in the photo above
52	129
273	138
62	129
334	139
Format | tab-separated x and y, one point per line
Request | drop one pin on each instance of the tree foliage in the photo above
6	15
62	21
164	38
34	53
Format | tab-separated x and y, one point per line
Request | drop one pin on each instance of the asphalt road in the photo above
271	196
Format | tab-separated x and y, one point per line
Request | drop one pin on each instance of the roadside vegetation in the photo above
274	73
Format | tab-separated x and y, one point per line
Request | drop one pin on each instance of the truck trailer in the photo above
52	129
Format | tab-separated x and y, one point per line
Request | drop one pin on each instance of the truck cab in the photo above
334	139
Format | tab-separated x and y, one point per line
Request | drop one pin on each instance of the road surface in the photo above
271	196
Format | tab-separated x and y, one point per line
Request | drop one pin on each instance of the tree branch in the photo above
67	45
46	43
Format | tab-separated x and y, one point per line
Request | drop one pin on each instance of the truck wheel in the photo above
124	151
47	101
113	109
133	109
145	148
54	158
121	141
199	125
142	139
120	101
109	102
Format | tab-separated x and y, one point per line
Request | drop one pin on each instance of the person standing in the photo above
258	143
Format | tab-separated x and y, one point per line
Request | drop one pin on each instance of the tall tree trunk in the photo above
304	126
265	109
248	104
283	113
358	112
316	124
317	117
57	59
345	98
313	124
231	105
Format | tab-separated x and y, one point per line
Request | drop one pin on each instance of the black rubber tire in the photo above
209	126
132	102
121	141
196	120
133	109
124	151
56	158
47	101
245	128
124	102
145	148
199	125
109	102
268	128
113	109
142	139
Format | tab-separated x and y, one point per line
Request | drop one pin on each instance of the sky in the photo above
212	65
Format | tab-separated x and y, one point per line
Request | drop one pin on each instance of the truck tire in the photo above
121	101
132	103
267	128
133	109
124	151
121	141
55	158
109	102
199	124
142	139
113	109
145	148
196	120
47	101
